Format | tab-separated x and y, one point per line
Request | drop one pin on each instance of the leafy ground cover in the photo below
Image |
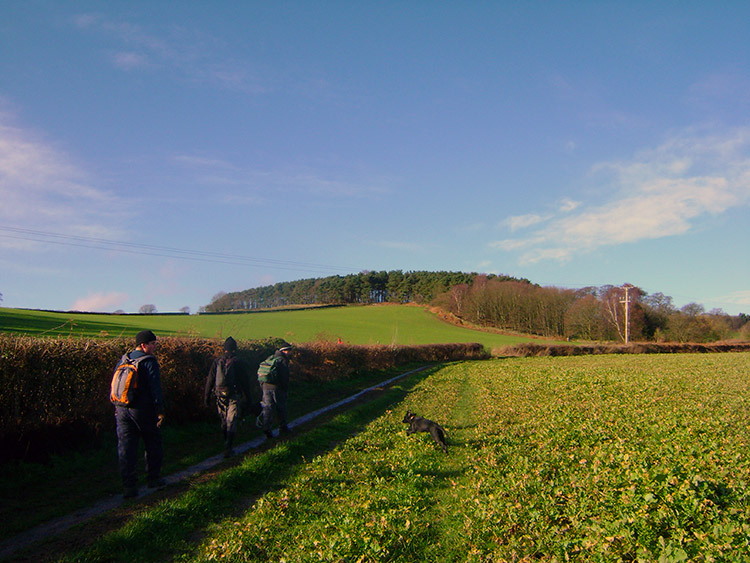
595	458
392	324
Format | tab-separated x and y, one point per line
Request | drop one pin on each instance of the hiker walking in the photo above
229	381
139	413
273	377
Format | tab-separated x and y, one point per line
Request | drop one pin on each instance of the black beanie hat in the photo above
230	345
144	337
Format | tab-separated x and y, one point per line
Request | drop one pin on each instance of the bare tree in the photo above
659	302
583	319
611	309
458	294
693	309
148	309
185	310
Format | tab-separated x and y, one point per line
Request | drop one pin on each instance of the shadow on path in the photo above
177	480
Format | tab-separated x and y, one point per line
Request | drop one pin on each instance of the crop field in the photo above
392	324
587	458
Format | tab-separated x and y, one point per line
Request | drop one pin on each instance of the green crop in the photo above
596	458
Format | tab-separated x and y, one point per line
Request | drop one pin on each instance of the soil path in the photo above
117	509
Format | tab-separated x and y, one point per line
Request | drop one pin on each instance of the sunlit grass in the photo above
392	324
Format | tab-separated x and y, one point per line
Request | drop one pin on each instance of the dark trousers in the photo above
230	412
274	399
132	425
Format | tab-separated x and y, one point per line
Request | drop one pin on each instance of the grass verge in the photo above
169	529
34	493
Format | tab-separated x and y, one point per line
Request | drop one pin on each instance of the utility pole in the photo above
626	301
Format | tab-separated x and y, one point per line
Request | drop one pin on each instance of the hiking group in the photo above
136	393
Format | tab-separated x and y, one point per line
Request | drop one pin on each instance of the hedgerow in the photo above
527	349
54	392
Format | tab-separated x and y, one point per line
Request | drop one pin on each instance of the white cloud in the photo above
662	192
129	60
41	188
100	302
741	297
510	244
568	205
522	221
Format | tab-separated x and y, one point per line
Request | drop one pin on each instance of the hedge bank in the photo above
527	349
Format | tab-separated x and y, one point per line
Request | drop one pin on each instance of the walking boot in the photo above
228	451
158	483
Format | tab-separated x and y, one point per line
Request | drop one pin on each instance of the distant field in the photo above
393	324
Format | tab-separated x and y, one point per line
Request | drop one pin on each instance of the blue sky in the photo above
160	152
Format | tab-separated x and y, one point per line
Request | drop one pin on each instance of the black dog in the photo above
419	424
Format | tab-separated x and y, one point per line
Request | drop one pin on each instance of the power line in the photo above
163	251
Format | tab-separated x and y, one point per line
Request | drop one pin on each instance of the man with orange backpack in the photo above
139	413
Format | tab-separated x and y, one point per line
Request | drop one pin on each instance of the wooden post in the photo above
626	301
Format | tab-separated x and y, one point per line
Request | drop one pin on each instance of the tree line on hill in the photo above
606	313
363	288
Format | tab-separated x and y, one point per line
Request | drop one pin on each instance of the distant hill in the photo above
366	287
388	324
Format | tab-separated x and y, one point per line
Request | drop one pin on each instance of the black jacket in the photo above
241	376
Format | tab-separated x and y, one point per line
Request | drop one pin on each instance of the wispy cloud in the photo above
662	192
519	222
194	56
41	187
100	302
399	245
252	186
130	61
522	221
568	205
737	297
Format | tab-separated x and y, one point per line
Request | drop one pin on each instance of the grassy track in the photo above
393	324
598	458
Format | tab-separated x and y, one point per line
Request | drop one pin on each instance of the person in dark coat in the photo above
275	395
229	381
142	420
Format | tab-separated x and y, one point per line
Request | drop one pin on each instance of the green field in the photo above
392	324
596	458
